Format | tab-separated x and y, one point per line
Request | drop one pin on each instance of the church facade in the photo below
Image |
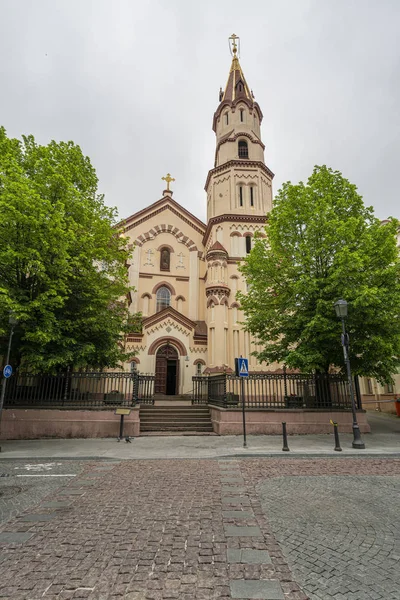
185	272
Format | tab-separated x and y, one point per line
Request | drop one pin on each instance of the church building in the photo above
185	272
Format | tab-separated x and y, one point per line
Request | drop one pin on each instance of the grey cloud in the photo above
135	84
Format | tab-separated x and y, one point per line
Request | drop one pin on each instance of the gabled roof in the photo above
217	246
165	203
169	311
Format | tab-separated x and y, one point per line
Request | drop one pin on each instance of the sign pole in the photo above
7	371
242	371
243	411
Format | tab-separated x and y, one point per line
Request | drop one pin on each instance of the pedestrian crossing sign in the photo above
242	367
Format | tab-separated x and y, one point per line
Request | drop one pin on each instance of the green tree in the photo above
62	261
323	244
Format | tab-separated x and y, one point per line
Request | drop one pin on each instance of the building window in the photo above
198	369
133	367
369	386
164	259
243	149
240	195
389	388
248	244
251	196
241	115
163	298
226	118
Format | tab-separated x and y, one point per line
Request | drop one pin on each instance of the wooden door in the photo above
165	353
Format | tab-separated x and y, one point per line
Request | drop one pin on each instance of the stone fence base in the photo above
36	423
269	421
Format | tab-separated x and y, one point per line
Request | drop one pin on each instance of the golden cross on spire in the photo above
233	44
168	179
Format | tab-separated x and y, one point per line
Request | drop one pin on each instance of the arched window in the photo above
240	195
243	150
226	118
163	298
248	244
199	368
164	259
251	195
241	115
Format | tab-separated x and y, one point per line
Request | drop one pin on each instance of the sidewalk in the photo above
384	440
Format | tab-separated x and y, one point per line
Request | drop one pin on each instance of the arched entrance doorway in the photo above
167	371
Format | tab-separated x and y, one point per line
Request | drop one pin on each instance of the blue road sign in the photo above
243	367
7	371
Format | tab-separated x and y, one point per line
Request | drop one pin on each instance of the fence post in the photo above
65	398
135	387
225	402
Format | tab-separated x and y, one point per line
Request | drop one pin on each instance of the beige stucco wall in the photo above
379	397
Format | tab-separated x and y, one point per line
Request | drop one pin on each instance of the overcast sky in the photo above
135	84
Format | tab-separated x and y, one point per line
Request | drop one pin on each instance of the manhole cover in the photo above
10	491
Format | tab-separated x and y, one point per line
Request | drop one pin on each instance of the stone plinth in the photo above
269	421
36	423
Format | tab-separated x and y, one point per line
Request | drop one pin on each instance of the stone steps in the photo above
174	419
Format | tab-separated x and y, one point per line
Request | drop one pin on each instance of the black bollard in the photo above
121	429
285	444
336	432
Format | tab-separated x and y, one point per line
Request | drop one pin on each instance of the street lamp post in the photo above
12	321
341	313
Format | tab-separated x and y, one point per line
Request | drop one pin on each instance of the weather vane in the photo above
234	45
168	179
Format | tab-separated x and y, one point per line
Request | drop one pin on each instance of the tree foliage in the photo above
62	263
323	244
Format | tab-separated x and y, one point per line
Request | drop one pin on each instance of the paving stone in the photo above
105	468
236	500
71	492
79	482
232	480
9	537
38	517
56	504
248	556
256	590
239	531
233	489
237	514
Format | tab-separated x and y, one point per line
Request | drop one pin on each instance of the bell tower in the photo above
240	182
239	197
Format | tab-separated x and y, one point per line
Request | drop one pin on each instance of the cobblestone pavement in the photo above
202	529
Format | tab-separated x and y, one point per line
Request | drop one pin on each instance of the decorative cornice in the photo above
239	163
158	229
218	290
165	203
229	218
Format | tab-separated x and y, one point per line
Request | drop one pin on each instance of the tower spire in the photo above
245	187
236	86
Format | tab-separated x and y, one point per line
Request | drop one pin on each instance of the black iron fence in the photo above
75	390
272	390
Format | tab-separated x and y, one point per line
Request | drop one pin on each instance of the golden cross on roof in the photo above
168	179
